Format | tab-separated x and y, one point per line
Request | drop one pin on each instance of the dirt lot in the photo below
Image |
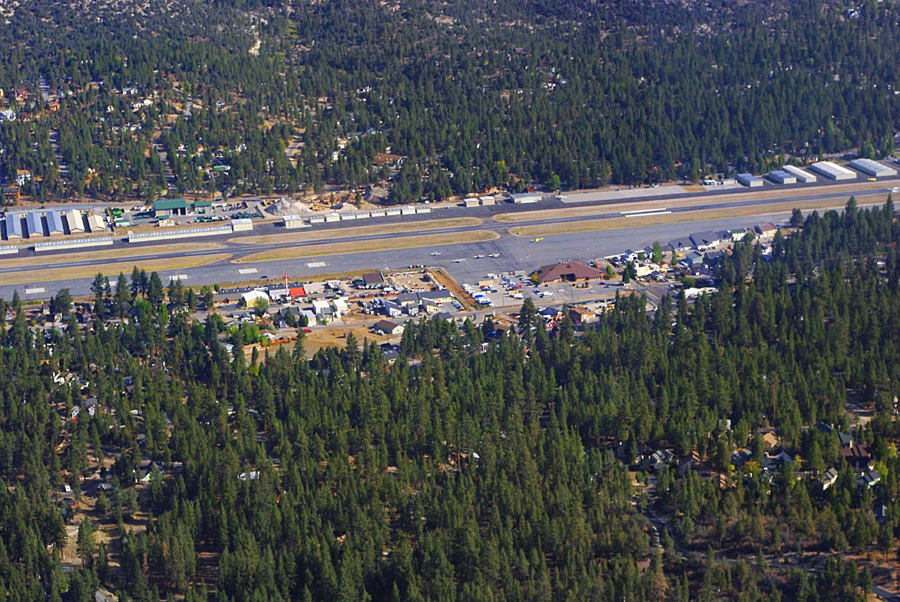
335	336
374	245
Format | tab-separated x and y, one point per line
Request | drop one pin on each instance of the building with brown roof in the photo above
566	272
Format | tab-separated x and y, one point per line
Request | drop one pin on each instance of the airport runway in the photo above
516	253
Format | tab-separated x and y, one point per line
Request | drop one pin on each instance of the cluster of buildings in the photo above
50	223
828	170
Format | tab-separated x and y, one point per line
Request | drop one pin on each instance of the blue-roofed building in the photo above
55	224
13	226
33	225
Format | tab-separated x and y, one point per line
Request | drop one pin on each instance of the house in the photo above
371	280
321	308
340	307
23	176
11	194
7	115
868	479
738	234
692	259
250	297
438	296
823	427
580	315
689	463
406	299
846	439
858	456
828	479
881	514
566	272
387	327
740	457
90	405
765	231
771	440
657	460
392	309
704	241
714	257
681	244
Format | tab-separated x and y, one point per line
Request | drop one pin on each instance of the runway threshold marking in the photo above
178	277
316	264
639	211
35	291
246	271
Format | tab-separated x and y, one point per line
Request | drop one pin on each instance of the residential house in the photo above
881	514
868	479
740	457
828	479
858	456
846	439
387	327
392	309
688	463
704	241
771	440
765	231
580	315
657	460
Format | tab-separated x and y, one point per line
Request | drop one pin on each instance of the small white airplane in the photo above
478	257
458	260
494	255
435	253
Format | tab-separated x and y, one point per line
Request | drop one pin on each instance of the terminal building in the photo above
801	175
833	171
873	168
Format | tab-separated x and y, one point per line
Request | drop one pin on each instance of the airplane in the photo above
477	256
435	253
458	260
494	255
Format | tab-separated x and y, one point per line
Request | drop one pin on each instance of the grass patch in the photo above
340	248
108	254
859	189
308	234
692	216
110	270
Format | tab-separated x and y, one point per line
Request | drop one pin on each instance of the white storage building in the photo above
73	218
487	200
251	296
473	202
292	222
782	177
833	171
241	225
527	197
96	223
802	176
873	168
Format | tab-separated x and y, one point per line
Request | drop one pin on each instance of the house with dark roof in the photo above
566	272
868	479
857	456
387	327
707	240
370	281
